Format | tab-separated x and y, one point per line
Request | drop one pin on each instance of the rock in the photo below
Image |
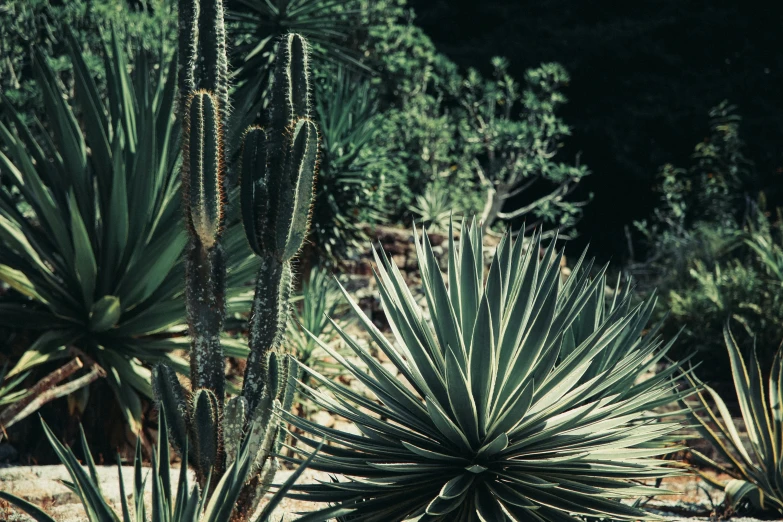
324	418
390	367
347	427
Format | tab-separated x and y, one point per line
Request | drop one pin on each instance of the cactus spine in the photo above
278	168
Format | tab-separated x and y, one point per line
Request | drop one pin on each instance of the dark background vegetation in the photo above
643	78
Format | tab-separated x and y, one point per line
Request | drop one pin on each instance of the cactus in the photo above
277	174
278	168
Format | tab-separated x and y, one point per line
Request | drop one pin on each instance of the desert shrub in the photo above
510	137
714	249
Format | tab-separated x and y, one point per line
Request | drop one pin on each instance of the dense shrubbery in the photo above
715	249
28	25
488	141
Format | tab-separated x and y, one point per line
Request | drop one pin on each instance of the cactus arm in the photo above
267	324
205	200
205	433
172	399
212	50
277	226
253	190
298	196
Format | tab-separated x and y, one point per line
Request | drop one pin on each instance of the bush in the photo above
34	25
714	251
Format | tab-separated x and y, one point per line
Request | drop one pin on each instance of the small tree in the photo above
513	151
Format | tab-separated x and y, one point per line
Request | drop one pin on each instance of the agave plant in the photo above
435	208
520	396
353	189
189	505
89	225
757	471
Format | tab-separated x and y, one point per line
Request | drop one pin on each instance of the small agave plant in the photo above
520	397
191	504
757	475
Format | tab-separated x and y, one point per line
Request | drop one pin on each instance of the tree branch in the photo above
46	390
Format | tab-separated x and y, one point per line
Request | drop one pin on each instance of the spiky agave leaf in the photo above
758	473
519	397
189	504
98	256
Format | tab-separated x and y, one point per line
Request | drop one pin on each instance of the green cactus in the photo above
204	202
279	165
278	169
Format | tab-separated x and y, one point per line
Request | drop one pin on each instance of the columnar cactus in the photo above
279	162
278	170
205	200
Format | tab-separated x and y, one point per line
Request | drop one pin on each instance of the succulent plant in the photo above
278	168
757	475
519	396
190	504
435	208
89	240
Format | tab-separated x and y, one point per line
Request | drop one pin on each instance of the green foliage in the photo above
183	504
416	128
88	223
714	251
513	153
740	285
710	193
421	138
30	25
9	387
314	320
757	475
521	397
464	132
355	179
435	208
